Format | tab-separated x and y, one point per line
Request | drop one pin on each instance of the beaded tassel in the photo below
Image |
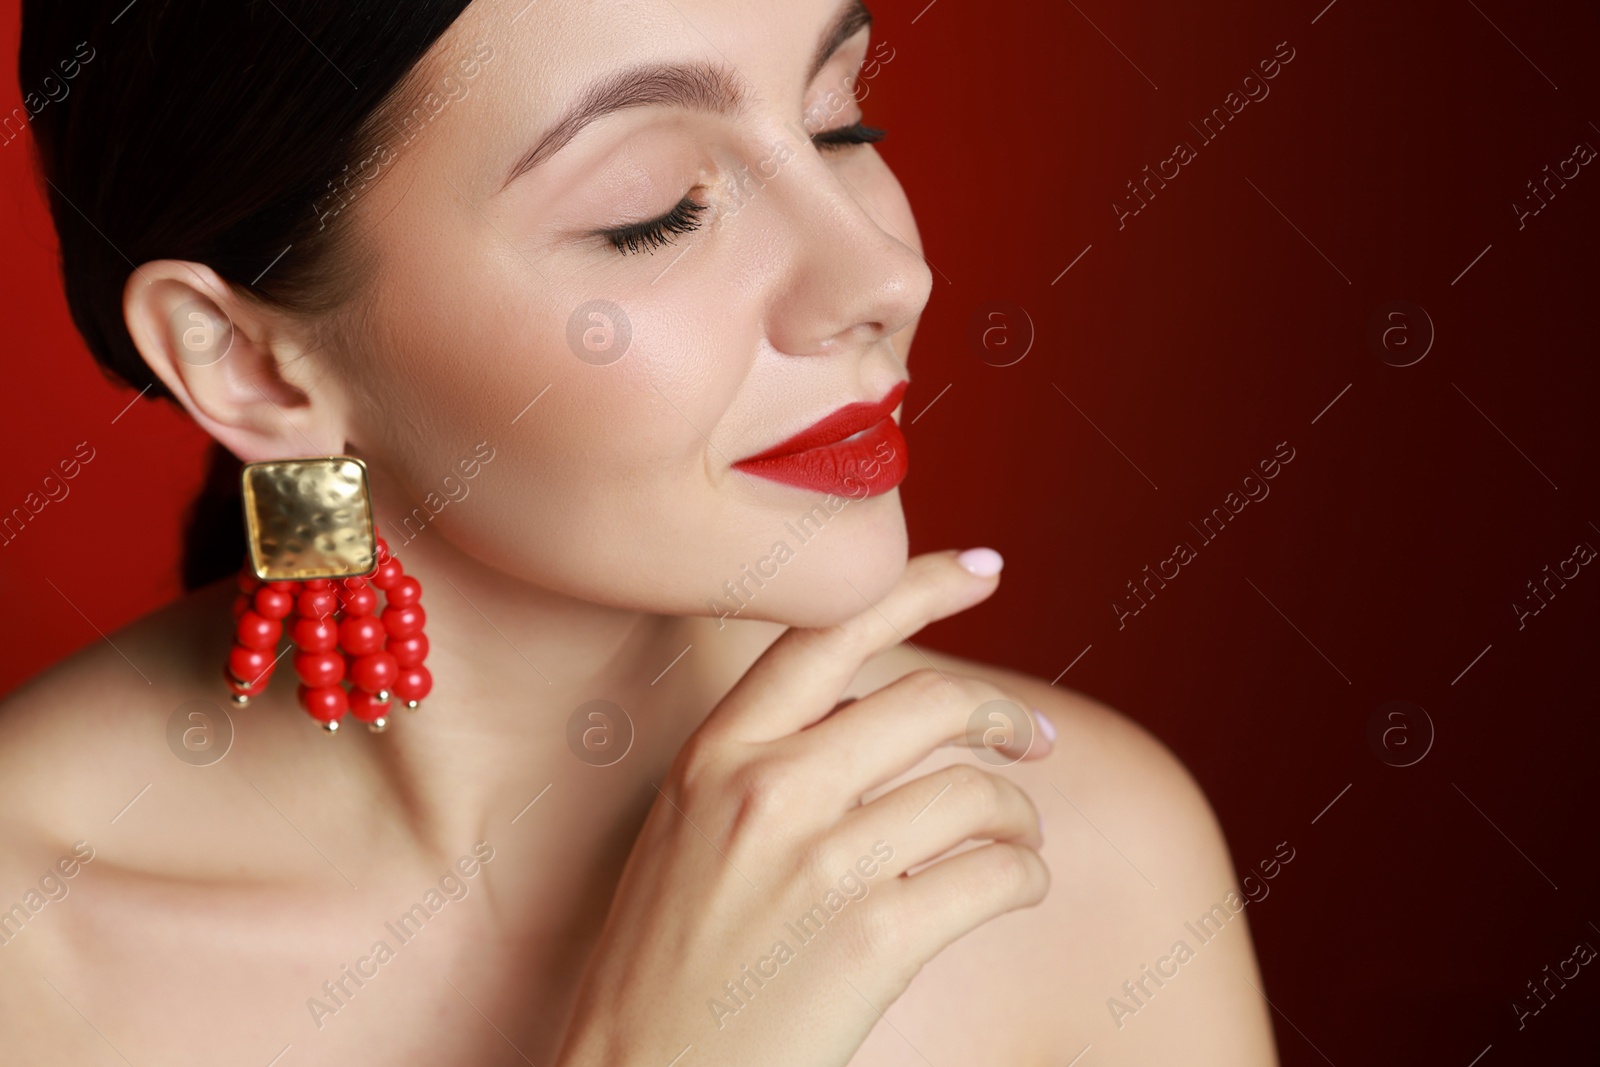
403	619
339	638
258	614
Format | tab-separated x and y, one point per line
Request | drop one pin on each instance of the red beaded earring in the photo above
315	567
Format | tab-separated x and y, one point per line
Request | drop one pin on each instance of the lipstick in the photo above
856	451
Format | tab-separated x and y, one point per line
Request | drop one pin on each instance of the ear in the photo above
246	373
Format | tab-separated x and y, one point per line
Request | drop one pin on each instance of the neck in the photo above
512	663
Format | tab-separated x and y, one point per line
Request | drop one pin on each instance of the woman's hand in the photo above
765	916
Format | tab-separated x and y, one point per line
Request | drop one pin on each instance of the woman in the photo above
619	295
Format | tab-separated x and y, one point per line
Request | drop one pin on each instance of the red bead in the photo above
241	604
316	585
404	621
408	651
361	634
353	583
248	583
315	635
285	587
389	572
317	603
255	631
374	671
244	689
413	683
359	601
319	668
382	547
404	593
270	603
365	707
247	664
325	703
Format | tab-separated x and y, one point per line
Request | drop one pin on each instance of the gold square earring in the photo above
314	567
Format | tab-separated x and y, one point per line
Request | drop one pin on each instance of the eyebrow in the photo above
709	87
850	20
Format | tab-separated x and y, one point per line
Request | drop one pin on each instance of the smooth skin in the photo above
606	907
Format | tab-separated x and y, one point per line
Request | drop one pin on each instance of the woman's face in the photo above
653	360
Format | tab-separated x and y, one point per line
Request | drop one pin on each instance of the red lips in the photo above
819	457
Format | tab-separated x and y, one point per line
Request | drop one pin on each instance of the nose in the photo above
852	278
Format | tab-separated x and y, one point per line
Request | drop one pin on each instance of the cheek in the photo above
571	388
599	413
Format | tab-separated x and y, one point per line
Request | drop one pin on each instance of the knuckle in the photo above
696	764
924	684
1042	880
1010	869
1019	873
951	691
974	788
764	788
814	640
820	861
1032	808
834	639
881	933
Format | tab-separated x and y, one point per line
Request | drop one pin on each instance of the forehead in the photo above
545	50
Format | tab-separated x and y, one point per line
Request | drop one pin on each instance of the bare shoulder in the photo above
116	754
1137	858
78	745
77	735
128	849
121	745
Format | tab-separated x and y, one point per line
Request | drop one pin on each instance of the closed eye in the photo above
845	136
684	217
656	233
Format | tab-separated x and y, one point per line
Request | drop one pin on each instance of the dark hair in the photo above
210	131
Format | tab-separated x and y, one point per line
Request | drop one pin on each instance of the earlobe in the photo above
228	361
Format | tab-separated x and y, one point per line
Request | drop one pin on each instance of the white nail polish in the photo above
1046	727
984	562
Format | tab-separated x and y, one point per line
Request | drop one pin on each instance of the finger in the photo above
927	817
955	896
801	676
886	733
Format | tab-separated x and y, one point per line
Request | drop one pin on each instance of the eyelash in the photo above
845	136
685	215
657	233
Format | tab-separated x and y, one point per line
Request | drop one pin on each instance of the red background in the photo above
1197	337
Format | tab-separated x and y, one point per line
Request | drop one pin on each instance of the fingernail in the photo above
984	562
1046	727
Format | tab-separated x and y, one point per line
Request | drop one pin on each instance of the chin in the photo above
820	576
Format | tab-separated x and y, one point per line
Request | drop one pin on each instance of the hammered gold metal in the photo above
309	518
